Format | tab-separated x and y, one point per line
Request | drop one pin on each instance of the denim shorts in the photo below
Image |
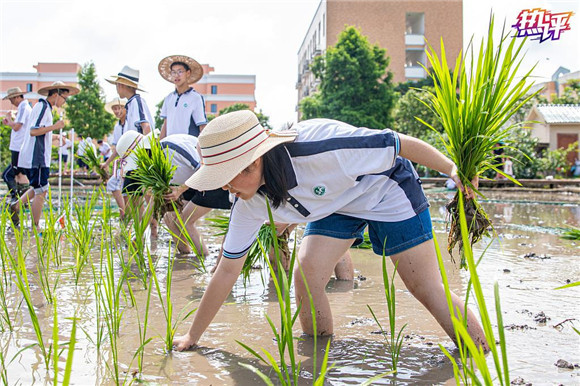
392	237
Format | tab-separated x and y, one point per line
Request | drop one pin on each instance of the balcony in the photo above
415	72
415	40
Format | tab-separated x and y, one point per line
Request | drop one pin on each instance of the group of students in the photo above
336	178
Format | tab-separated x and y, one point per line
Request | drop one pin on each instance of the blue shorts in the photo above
392	237
38	177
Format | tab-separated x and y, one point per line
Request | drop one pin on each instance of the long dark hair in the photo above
275	186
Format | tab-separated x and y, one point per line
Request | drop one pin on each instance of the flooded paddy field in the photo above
527	259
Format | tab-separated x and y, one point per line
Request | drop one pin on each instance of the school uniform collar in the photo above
183	93
130	99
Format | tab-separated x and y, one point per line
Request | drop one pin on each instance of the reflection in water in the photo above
524	225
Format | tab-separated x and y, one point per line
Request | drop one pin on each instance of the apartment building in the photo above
221	90
402	27
30	82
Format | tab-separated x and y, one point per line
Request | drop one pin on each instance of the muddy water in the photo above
526	225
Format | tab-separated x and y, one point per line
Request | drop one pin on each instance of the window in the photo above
28	87
415	23
214	90
414	57
213	107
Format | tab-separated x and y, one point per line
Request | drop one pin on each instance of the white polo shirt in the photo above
22	116
137	113
333	167
36	150
105	150
181	149
118	131
184	112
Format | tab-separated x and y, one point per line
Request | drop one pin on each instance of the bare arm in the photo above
421	152
220	285
146	127
163	130
43	130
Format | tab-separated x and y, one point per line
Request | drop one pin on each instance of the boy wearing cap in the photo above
183	110
15	178
36	149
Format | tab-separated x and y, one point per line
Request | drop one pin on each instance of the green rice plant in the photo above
56	352
569	285
474	108
6	279
142	324
472	355
134	237
93	161
185	238
154	172
571	233
70	354
395	339
80	226
166	303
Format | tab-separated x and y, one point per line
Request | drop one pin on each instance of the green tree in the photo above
354	84
5	132
158	119
412	105
570	94
86	110
264	119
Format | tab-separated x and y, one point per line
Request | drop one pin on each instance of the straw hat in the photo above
72	90
129	142
127	76
229	144
13	92
115	102
194	66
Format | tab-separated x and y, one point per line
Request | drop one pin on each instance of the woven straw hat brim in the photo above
210	177
72	90
126	82
165	68
116	102
13	94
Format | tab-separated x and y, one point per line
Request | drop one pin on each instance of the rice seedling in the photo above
92	159
134	237
166	303
472	356
80	230
154	172
571	233
395	339
473	108
142	324
6	280
185	237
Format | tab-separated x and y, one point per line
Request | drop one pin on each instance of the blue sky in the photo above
258	37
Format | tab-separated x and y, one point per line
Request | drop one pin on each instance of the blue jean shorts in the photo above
390	237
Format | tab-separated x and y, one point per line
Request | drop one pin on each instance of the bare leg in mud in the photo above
417	267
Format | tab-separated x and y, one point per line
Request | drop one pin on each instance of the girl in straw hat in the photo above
338	178
183	110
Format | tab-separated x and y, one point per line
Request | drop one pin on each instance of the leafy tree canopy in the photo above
354	84
85	111
264	119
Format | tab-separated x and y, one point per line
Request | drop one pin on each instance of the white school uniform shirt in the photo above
181	149
82	148
184	112
22	117
105	149
137	113
333	167
118	131
36	150
63	150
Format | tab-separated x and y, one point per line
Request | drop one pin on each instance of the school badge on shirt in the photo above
185	105
319	190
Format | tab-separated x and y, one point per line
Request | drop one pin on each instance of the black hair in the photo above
275	186
100	141
58	91
180	64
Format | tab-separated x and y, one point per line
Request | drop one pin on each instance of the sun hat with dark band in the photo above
58	85
194	66
127	76
13	92
115	102
229	144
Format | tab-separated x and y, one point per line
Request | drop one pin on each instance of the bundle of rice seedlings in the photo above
474	105
154	172
93	161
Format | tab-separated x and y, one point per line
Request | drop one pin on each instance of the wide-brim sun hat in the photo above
126	146
127	76
13	92
72	90
229	144
115	102
165	68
